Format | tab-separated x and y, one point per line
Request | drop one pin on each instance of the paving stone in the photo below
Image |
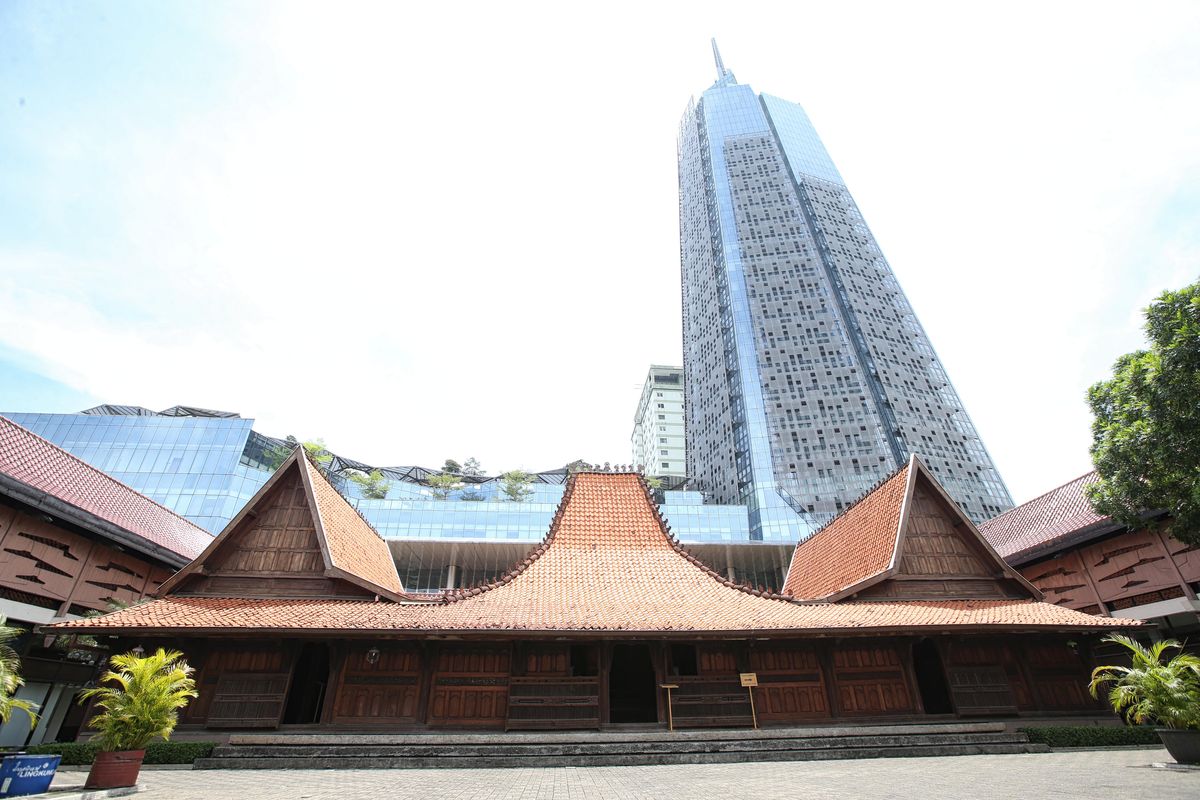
1079	775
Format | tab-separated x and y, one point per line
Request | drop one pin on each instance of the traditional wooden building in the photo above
1082	560
898	609
72	541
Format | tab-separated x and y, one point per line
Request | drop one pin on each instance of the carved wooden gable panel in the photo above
40	558
933	546
1064	582
280	537
43	559
111	577
273	551
1129	565
1187	558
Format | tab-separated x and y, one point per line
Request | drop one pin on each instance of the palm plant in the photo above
1149	689
142	699
10	677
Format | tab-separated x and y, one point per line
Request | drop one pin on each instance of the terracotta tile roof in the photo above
608	565
212	614
35	462
1043	521
355	548
858	544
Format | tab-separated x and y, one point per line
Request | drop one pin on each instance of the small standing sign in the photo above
750	680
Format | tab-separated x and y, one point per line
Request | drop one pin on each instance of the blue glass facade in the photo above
206	469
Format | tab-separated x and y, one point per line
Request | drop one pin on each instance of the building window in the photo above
665	465
661	405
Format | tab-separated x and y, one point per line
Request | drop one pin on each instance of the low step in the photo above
610	748
613	760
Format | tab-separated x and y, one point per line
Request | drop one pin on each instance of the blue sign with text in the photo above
21	775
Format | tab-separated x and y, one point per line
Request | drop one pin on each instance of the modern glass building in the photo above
205	465
808	377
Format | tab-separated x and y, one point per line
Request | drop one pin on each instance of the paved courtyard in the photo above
1083	775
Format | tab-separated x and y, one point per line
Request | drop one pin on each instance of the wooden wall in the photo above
410	685
1130	569
67	570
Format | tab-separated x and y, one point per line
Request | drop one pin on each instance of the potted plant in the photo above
1150	690
140	698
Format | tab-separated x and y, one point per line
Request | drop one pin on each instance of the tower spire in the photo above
717	57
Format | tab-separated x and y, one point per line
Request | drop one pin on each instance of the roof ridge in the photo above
104	475
678	547
312	461
536	552
455	595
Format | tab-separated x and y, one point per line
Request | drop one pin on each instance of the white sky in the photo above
450	230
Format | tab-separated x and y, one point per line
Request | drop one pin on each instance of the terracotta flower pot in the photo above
1182	744
114	769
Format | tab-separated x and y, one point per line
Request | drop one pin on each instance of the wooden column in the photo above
337	668
825	657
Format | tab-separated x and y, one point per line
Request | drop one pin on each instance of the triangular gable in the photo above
354	551
294	538
906	540
855	546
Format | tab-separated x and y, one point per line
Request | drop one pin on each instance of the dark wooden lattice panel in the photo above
710	702
970	653
791	685
870	680
387	691
470	687
248	700
265	660
1059	677
545	703
981	690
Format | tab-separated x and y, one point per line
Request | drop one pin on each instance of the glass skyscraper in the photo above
808	377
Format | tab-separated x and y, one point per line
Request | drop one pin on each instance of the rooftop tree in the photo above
1146	427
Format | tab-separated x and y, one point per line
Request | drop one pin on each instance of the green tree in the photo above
579	465
141	699
442	485
515	485
452	467
373	484
10	677
1146	427
315	448
472	468
654	482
